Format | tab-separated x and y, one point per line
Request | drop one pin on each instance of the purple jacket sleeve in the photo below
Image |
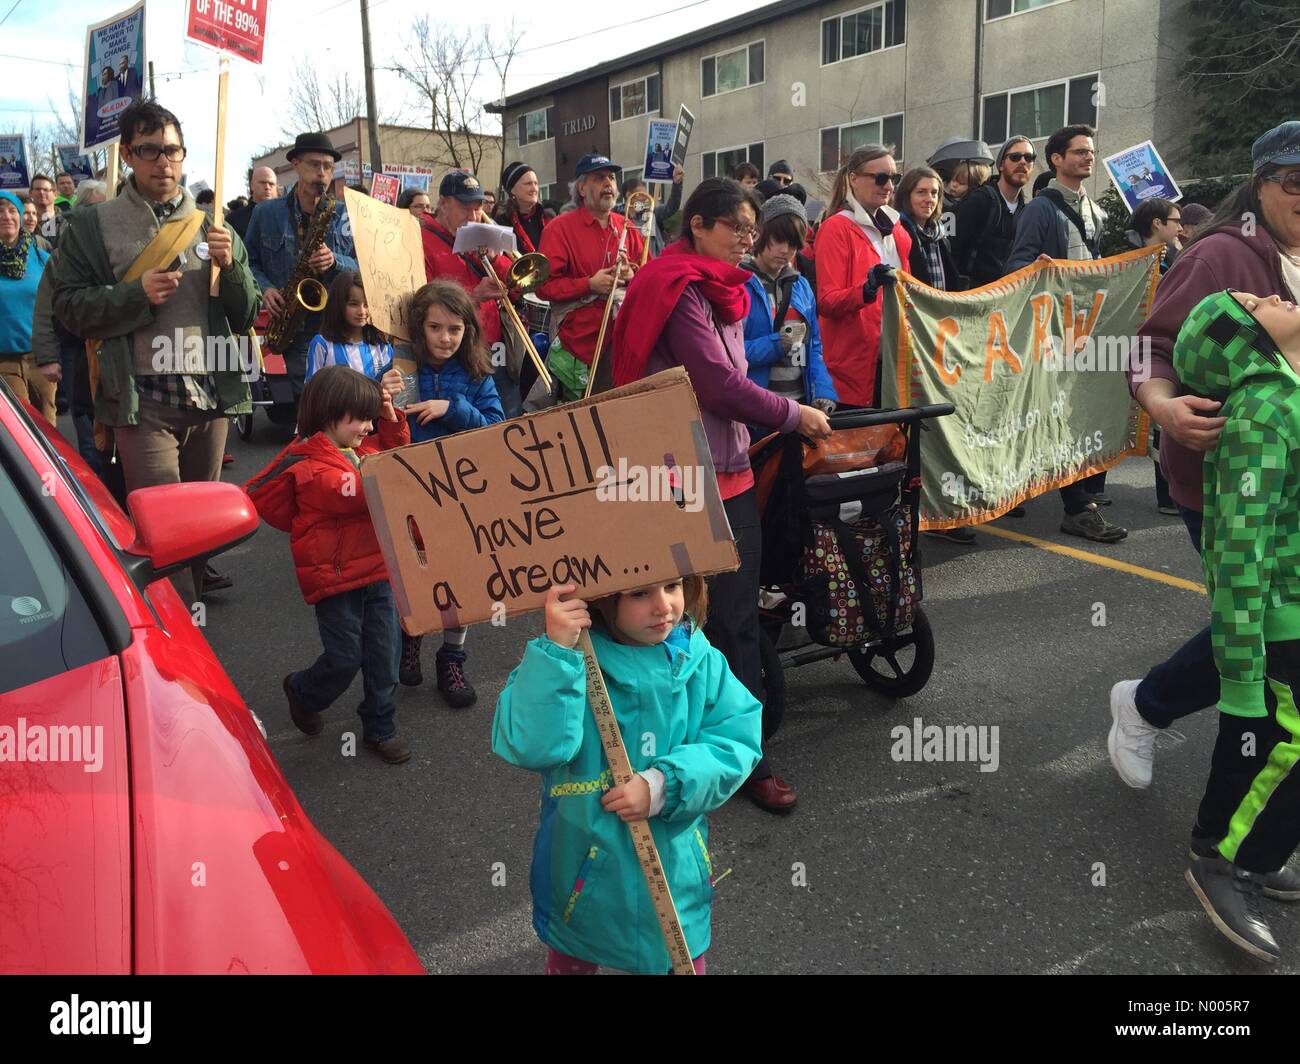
717	374
1189	280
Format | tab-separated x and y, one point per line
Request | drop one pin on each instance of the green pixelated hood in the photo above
1220	347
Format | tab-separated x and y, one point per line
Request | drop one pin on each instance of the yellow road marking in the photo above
1096	559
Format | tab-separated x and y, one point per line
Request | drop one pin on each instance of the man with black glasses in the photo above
985	222
133	274
1062	222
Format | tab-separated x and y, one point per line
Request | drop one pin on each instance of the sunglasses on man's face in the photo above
884	179
1016	156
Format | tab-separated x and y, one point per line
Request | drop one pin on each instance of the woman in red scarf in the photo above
860	242
687	308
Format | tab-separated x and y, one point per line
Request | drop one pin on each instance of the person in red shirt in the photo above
582	247
460	201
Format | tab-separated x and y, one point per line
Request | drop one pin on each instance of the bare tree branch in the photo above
313	106
450	68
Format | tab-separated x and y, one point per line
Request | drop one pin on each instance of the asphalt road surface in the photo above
1047	865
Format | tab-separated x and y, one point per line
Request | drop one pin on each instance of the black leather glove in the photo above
881	274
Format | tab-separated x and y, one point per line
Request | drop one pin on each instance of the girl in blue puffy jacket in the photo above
456	393
693	735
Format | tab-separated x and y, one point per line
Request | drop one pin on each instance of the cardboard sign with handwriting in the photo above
391	257
610	493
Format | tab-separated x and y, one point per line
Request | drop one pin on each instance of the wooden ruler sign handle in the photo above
642	839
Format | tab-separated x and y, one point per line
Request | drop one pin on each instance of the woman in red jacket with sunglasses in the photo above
859	246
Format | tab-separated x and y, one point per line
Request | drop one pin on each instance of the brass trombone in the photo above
526	273
637	211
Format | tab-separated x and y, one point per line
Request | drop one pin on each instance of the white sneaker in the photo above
1132	740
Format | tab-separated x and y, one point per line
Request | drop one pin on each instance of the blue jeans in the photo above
360	632
1189	680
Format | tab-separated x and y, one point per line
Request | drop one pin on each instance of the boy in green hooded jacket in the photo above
1244	350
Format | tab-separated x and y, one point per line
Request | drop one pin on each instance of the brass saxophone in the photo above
302	292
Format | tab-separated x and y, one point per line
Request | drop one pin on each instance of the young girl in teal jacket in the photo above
693	734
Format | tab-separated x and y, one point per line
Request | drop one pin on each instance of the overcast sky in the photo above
43	44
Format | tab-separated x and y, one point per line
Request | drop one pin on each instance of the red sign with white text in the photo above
385	188
234	26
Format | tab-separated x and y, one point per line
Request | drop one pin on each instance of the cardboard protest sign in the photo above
15	171
685	123
385	188
481	524
1139	173
1034	364
659	151
391	258
114	75
234	26
74	163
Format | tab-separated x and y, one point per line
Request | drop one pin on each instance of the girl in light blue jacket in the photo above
693	735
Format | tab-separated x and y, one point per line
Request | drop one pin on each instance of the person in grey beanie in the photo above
782	341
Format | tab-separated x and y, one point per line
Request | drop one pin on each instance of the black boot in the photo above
456	690
1282	885
408	673
1230	897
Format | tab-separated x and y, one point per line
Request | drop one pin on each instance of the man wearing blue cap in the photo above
582	247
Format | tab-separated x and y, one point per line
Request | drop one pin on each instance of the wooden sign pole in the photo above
218	212
110	169
643	841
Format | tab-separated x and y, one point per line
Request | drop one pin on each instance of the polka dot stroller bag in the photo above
841	559
855	573
840	573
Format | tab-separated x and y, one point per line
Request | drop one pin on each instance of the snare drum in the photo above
537	313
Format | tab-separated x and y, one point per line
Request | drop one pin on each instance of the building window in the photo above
867	30
630	173
1040	110
536	125
839	142
729	71
632	98
1001	8
721	163
545	193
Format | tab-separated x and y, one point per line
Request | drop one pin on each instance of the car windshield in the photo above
45	625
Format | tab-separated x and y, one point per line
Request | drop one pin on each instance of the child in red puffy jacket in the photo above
312	490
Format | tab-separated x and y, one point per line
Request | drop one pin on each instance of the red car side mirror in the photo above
178	524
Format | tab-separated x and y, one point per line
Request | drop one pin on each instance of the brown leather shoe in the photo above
772	794
304	718
394	750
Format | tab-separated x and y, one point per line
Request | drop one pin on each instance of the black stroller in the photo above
841	564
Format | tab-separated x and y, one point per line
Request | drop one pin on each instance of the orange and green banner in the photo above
1035	366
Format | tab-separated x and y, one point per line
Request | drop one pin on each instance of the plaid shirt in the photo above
179	390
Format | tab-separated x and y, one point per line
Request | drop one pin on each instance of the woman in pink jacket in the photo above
858	246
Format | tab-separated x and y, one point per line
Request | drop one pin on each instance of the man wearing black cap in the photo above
582	247
460	198
522	209
781	172
277	230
